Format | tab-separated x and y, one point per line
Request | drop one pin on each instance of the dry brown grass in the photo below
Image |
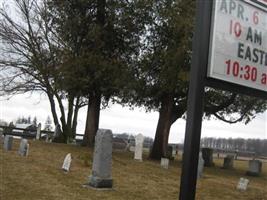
39	177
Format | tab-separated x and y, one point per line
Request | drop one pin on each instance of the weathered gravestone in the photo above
138	151
207	154
200	167
242	184
119	144
228	162
255	167
66	163
164	163
57	134
169	152
38	133
24	147
8	141
102	161
1	136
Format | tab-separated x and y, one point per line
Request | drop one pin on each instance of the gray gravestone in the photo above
8	141
164	163
200	167
38	133
255	167
66	163
228	162
207	154
169	152
102	161
1	136
138	151
23	147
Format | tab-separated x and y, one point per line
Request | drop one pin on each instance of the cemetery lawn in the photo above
39	177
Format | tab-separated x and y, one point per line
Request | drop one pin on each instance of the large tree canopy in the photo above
163	70
102	41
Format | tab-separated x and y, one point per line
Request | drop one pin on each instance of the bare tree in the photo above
30	59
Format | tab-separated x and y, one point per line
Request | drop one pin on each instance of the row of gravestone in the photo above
102	159
254	166
8	143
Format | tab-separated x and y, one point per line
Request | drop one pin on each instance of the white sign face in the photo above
238	47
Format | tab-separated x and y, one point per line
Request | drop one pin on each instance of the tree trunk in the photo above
53	108
68	133
92	121
75	117
160	144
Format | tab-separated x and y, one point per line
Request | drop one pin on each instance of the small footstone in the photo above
242	184
66	163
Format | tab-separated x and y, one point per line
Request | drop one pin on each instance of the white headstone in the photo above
139	140
255	167
66	163
200	167
8	141
102	162
242	184
164	163
38	134
23	147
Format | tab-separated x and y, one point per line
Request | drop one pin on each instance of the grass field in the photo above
39	176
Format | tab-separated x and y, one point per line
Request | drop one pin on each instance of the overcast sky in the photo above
120	120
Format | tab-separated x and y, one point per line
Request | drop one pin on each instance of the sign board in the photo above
238	46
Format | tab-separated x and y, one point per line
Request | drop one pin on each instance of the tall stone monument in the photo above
23	147
8	141
102	161
38	133
139	140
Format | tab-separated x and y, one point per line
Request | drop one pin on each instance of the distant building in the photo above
29	128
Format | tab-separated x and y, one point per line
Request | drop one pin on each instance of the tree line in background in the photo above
257	146
98	52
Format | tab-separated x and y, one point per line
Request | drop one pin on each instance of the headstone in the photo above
132	148
102	161
139	140
242	184
8	141
119	144
255	167
164	163
56	135
200	167
24	147
38	134
169	152
1	136
66	163
228	162
207	154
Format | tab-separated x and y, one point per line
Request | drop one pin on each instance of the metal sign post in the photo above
195	100
230	53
